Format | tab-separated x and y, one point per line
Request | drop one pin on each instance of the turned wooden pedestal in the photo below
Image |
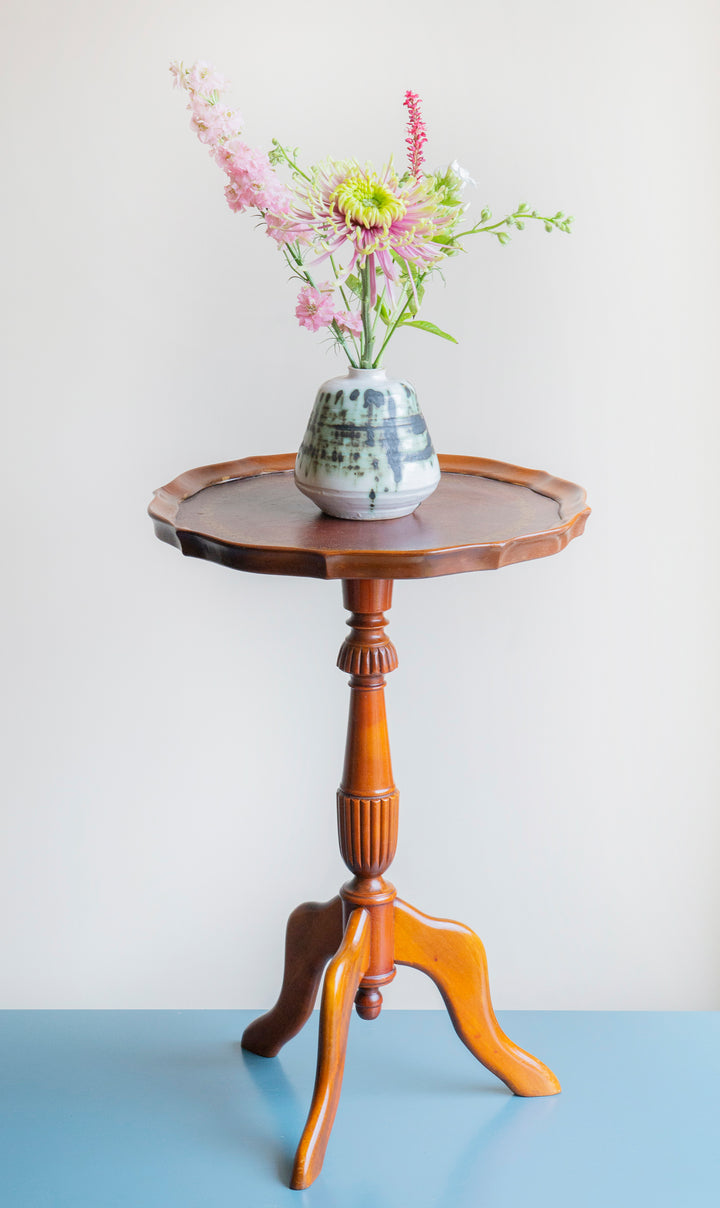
249	515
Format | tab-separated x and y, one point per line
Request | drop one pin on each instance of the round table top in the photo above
249	514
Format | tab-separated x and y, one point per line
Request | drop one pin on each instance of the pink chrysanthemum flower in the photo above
374	218
416	135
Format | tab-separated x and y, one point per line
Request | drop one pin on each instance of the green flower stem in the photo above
394	326
366	361
341	340
289	250
346	304
291	162
376	320
340	287
356	348
510	220
478	230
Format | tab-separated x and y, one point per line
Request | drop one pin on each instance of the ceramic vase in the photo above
367	453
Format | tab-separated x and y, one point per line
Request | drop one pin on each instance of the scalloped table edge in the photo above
290	560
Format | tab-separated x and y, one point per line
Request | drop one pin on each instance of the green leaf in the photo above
383	311
354	285
423	325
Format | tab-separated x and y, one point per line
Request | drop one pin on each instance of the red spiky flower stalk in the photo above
416	136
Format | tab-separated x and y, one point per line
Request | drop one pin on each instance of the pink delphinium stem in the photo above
416	135
254	184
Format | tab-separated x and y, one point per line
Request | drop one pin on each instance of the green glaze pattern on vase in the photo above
367	453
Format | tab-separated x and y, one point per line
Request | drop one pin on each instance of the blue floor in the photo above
161	1109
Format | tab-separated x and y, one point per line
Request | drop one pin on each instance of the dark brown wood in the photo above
485	514
314	934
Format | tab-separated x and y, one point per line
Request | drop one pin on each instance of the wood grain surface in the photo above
485	514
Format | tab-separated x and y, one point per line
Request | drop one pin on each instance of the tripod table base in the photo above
450	953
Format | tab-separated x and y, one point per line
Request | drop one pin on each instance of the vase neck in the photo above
378	375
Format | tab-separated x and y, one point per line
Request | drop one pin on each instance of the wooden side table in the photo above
484	515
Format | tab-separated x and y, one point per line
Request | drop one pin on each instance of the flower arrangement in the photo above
378	235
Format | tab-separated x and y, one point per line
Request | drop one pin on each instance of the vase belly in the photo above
366	453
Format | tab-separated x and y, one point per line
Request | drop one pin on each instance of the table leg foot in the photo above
314	933
342	979
454	957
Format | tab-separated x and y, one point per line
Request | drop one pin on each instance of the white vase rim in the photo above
354	372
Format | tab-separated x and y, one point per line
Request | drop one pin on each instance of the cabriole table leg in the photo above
454	957
314	933
341	982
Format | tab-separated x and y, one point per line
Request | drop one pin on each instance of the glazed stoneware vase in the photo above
367	453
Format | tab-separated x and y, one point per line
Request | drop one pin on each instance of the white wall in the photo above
174	731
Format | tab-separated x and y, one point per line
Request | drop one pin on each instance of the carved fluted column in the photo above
367	800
